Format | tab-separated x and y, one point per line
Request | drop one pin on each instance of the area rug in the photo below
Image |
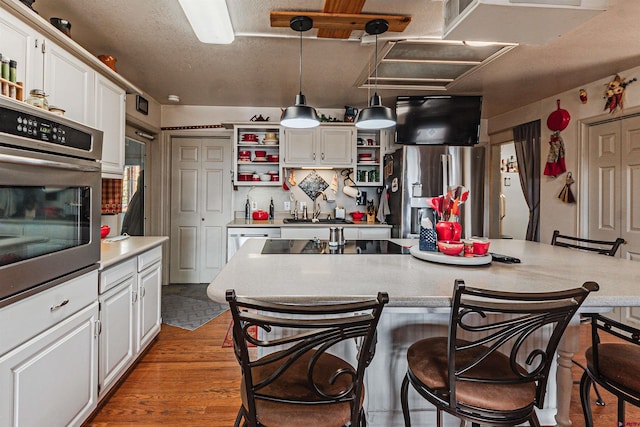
188	306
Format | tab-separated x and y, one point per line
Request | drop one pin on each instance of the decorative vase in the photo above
449	230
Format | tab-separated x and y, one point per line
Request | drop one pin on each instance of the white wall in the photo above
555	214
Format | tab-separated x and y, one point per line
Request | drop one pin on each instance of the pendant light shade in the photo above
300	115
376	115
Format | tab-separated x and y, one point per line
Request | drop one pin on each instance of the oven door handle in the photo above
20	160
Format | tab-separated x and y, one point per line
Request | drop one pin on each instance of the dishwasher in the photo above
237	236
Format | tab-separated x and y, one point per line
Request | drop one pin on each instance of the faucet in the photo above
316	204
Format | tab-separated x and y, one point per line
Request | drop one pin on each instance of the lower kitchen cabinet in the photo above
51	378
130	313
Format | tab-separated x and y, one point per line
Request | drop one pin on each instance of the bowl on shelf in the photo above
450	247
265	177
357	215
104	231
260	153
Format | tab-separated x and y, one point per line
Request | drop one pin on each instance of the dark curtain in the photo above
527	143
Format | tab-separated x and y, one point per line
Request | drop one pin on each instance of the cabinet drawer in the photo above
112	276
150	257
33	315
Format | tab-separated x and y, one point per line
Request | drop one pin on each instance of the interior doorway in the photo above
513	209
133	186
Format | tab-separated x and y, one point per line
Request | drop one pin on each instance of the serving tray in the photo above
441	258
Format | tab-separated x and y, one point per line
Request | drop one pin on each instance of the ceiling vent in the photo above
516	21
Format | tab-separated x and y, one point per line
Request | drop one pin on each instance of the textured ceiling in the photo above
158	52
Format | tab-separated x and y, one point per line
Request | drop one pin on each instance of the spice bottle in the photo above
4	73
13	65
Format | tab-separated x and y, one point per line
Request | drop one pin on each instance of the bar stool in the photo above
487	370
292	378
613	365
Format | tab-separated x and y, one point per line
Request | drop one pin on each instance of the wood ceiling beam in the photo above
340	6
340	21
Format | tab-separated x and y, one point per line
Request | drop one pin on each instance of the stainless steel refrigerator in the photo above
414	174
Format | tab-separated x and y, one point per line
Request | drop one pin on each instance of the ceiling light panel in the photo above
210	20
428	64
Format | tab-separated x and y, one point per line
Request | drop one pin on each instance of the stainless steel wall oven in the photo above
50	195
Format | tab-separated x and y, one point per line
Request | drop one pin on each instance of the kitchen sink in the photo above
317	221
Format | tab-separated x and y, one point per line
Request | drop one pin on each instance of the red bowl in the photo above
480	247
260	215
104	231
357	215
450	247
260	153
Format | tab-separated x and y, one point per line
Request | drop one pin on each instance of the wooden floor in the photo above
188	379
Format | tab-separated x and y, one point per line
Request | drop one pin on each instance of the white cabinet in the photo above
110	119
130	313
50	374
326	145
257	152
118	323
69	84
21	43
149	297
374	233
370	150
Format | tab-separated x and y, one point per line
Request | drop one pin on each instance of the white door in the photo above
614	191
200	206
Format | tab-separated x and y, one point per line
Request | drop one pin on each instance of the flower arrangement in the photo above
448	206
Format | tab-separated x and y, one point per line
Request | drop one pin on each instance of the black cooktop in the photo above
365	247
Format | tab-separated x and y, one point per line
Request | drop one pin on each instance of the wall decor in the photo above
565	194
583	96
614	93
557	121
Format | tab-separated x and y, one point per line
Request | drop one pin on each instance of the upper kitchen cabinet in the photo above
110	118
21	43
326	146
69	84
257	154
371	147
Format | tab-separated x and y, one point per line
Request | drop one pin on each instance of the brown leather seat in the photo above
613	365
490	369
292	379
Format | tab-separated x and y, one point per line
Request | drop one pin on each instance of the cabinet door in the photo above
116	334
149	294
300	147
110	119
336	146
51	380
69	84
21	43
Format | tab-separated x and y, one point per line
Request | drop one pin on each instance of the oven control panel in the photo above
19	123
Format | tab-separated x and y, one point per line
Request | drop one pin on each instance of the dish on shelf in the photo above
441	258
244	160
369	162
250	137
270	141
259	159
273	158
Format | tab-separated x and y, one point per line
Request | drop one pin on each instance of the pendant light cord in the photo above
300	71
375	65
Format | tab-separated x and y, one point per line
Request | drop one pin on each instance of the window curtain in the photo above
526	138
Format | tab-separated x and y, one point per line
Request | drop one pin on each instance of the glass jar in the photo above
37	98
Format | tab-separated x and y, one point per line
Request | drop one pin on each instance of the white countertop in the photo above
412	282
113	252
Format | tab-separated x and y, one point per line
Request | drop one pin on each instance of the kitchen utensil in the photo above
260	215
450	247
285	181
104	231
559	119
62	25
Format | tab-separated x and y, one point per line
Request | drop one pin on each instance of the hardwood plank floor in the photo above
188	379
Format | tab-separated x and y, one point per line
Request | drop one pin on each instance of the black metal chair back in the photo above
613	363
296	375
496	371
603	247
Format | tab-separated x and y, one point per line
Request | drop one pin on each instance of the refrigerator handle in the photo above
503	206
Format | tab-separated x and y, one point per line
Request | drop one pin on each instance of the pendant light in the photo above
300	115
376	115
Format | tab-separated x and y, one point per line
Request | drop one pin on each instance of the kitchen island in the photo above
420	298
